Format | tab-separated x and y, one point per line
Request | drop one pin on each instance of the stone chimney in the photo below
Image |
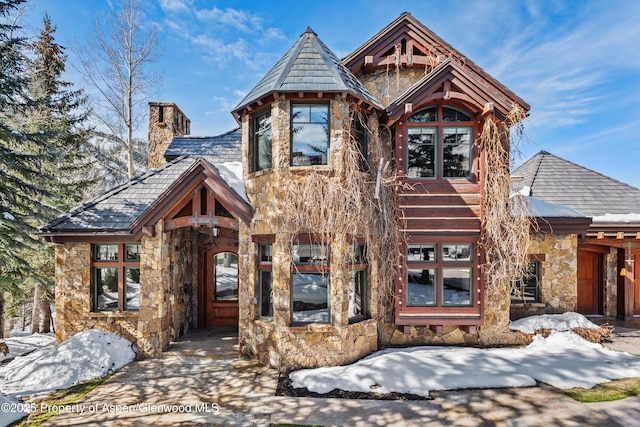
166	121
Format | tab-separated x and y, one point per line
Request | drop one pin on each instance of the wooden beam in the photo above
148	231
408	108
436	329
600	235
447	90
620	235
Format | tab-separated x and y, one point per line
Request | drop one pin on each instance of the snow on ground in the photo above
19	345
554	322
87	355
12	410
563	360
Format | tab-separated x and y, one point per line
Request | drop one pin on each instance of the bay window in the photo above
310	283
358	288
265	281
261	144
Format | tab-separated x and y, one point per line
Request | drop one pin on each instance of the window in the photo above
115	277
527	289
310	283
440	274
358	295
262	142
265	290
439	143
359	134
309	134
225	276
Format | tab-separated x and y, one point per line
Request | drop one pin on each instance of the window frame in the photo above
322	268
439	265
537	276
263	267
121	265
292	134
255	141
359	266
214	277
439	125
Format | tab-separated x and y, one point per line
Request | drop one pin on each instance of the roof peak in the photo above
308	31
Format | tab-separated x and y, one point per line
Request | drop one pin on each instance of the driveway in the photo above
200	381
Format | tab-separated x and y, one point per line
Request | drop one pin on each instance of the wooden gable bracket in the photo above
196	218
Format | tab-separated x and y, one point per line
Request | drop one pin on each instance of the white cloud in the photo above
234	18
174	6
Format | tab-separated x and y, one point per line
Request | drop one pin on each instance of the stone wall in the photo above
387	85
611	283
275	341
73	297
165	122
559	275
168	289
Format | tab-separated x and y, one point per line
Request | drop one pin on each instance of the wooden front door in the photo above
221	289
589	283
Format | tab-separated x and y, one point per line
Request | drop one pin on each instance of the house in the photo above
354	221
586	244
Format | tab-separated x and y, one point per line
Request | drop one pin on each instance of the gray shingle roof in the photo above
309	66
556	180
117	209
216	149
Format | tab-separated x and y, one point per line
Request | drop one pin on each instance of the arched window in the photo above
439	143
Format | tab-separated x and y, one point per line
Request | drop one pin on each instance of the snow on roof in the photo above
609	218
231	173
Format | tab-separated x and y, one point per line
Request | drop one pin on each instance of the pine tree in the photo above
17	167
55	114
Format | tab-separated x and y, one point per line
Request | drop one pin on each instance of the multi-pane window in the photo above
310	283
225	276
358	295
115	277
309	134
264	288
262	142
527	289
440	274
439	143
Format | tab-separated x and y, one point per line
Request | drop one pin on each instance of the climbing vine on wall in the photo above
350	203
506	227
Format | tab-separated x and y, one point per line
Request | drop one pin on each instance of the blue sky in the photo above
577	63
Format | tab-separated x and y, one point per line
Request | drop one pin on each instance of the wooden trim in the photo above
263	238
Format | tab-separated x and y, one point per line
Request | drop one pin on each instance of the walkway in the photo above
200	381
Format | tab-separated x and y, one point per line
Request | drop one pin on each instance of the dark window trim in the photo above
291	133
439	265
323	269
439	125
536	261
255	140
366	314
121	265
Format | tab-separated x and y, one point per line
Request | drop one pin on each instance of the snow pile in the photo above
554	322
563	360
87	355
19	345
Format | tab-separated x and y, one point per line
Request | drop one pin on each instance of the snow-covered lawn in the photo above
87	355
563	360
19	345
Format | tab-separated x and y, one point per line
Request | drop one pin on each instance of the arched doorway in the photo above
219	287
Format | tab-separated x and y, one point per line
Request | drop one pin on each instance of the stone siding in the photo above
161	132
73	297
611	283
559	275
168	289
387	85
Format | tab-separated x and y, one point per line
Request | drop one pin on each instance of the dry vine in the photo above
351	204
506	227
